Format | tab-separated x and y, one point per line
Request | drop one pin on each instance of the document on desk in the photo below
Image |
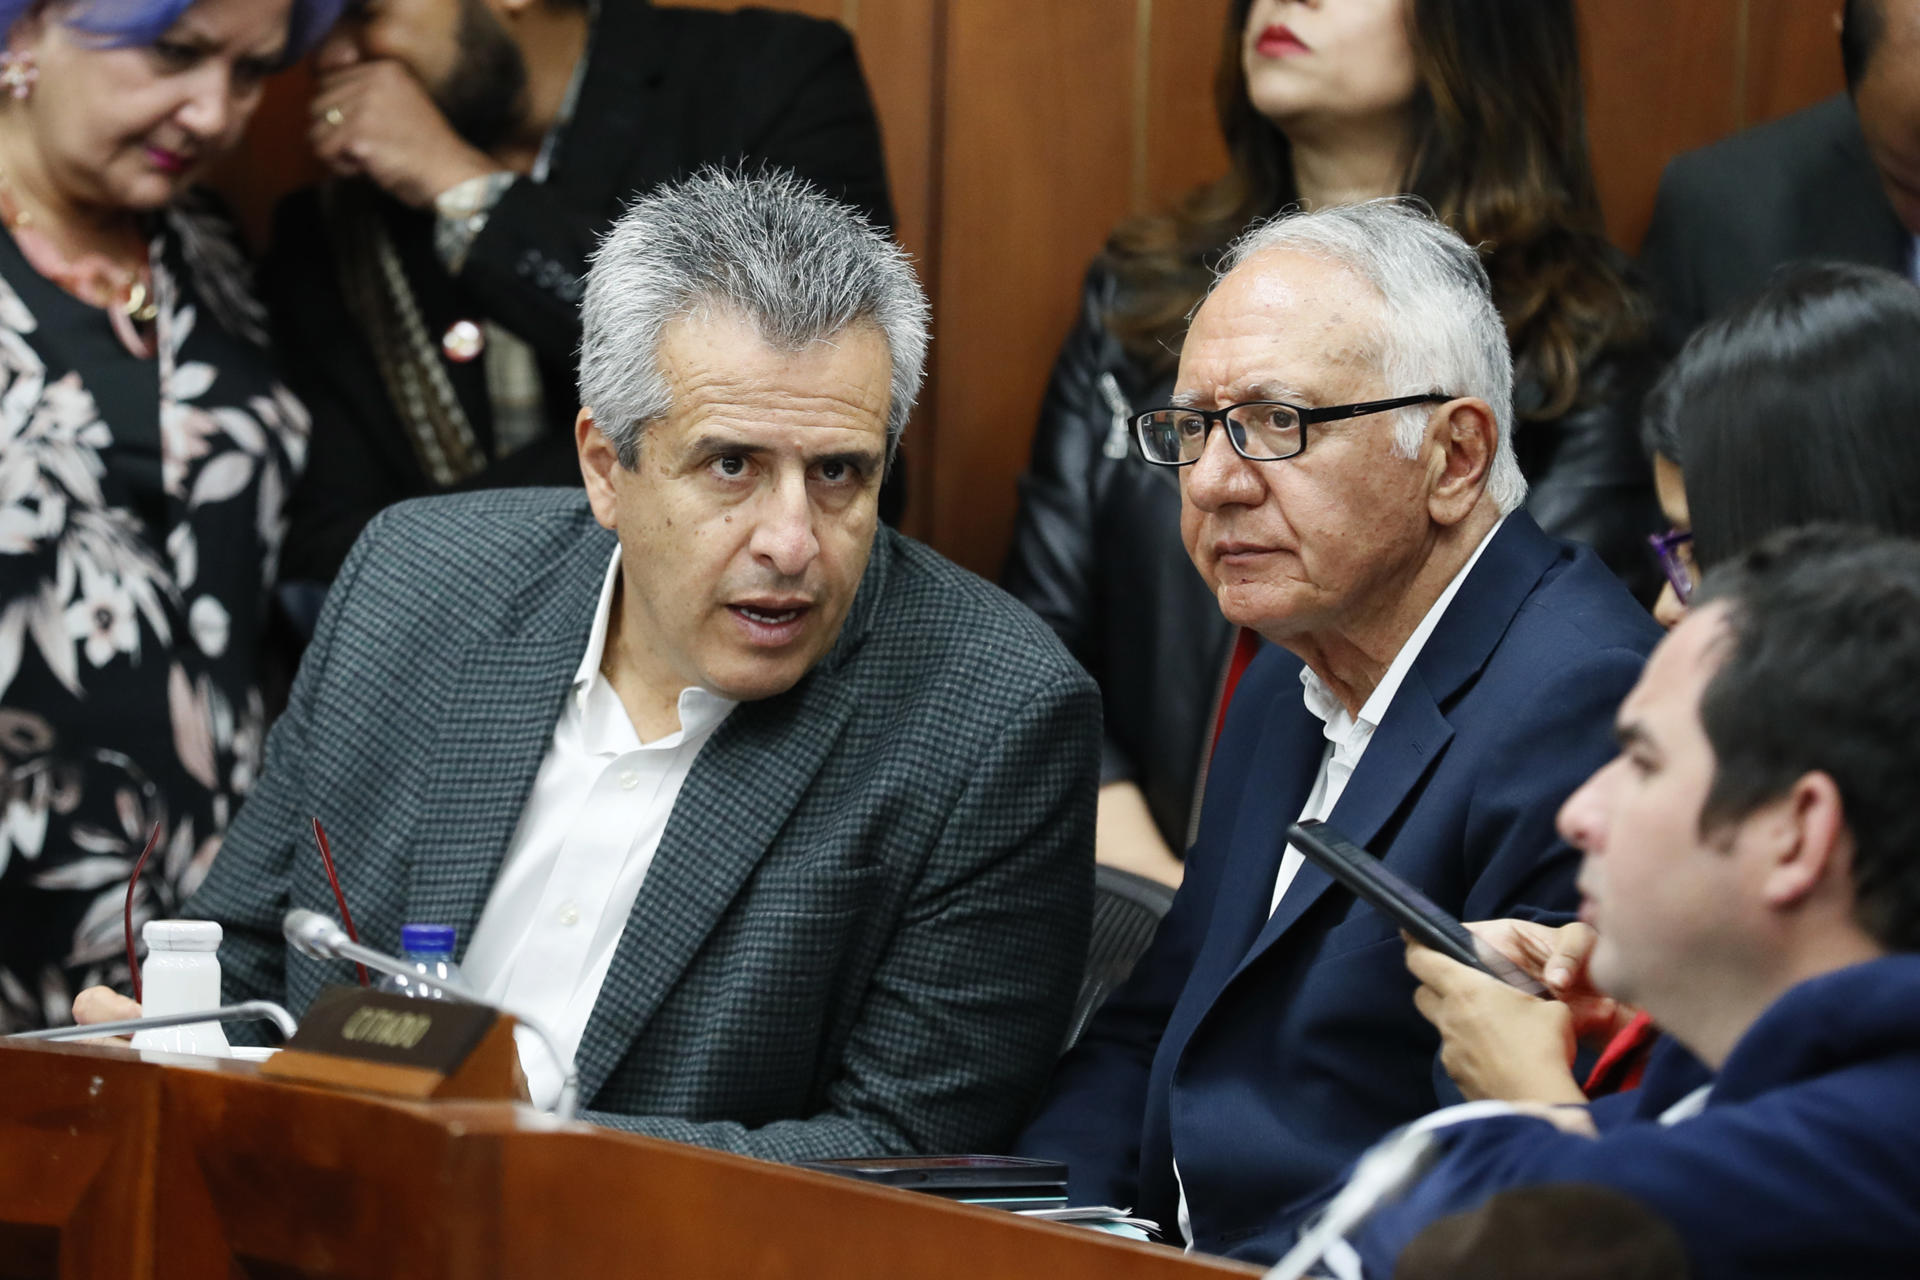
1118	1222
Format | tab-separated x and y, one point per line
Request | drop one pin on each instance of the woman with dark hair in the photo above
1473	105
1799	407
146	450
1672	550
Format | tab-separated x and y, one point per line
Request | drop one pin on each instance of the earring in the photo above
18	73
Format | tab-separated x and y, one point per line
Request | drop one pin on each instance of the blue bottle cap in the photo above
427	937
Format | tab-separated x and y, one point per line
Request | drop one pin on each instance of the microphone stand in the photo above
245	1011
1383	1172
314	934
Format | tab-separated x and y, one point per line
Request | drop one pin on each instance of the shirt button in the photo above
568	915
629	779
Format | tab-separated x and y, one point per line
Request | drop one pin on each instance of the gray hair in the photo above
796	265
1440	330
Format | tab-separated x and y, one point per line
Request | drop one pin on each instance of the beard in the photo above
485	99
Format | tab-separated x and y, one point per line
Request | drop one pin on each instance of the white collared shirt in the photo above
1348	735
586	838
1347	738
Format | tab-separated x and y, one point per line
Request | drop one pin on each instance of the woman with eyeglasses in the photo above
1801	406
1473	105
146	451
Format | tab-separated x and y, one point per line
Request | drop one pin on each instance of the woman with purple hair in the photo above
146	451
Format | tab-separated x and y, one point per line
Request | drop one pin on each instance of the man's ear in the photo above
598	463
1462	438
1809	849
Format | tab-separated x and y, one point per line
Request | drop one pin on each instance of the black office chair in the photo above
1126	911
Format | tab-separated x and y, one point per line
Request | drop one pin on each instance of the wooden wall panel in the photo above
1035	166
900	52
1183	147
1661	78
1793	56
900	49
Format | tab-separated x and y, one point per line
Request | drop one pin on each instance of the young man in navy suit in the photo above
1750	871
1439	676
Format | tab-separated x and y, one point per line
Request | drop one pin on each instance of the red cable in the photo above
333	878
126	915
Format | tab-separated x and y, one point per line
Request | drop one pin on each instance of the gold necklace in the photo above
127	295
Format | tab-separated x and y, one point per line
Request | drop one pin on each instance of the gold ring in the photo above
334	117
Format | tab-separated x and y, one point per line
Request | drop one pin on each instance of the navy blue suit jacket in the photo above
1801	1165
1265	1054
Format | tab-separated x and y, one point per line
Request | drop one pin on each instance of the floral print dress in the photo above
141	512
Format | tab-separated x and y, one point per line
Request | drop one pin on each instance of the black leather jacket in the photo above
1097	552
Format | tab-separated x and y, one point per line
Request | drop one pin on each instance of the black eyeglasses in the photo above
1259	430
1674	550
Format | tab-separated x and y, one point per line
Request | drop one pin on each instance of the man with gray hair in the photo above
782	823
1437	676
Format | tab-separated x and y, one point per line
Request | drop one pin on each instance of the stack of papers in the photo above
1120	1222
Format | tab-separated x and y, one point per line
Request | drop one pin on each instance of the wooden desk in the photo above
112	1165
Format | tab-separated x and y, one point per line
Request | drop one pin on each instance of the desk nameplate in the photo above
395	1044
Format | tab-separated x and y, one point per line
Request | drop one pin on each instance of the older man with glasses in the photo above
1438	676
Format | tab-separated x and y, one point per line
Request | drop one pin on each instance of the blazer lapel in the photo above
1293	733
1270	800
1407	741
494	735
1414	732
746	781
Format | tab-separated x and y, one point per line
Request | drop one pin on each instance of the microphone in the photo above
245	1011
312	934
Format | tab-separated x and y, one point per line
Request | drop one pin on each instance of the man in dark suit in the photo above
1839	180
783	820
427	304
1440	676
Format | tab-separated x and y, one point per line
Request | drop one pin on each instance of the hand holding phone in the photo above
1558	957
1412	910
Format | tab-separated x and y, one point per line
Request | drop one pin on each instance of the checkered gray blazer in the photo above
867	918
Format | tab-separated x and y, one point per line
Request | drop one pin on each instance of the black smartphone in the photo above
1411	909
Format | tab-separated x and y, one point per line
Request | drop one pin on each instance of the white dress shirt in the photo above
1347	738
585	841
1348	735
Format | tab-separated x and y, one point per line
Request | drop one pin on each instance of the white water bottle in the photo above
181	975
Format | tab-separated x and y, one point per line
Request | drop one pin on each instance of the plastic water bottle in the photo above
181	975
428	948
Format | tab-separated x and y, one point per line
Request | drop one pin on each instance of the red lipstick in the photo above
1278	41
